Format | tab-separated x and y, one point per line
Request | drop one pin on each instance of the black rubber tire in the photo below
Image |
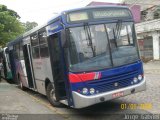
50	90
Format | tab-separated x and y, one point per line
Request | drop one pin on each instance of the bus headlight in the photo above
92	91
84	90
140	77
135	80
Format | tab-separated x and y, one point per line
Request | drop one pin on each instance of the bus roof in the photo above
32	31
58	17
92	7
18	39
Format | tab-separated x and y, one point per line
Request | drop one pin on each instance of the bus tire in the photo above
51	96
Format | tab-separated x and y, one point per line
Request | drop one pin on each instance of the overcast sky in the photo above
42	10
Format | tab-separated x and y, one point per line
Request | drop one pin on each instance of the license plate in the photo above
118	94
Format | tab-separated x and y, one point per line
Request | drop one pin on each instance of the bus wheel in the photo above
51	96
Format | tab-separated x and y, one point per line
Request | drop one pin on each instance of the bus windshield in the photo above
96	47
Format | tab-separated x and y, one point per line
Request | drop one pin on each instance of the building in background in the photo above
148	30
145	4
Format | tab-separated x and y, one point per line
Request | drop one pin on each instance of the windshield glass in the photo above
95	47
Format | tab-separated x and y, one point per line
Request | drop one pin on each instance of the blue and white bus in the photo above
81	57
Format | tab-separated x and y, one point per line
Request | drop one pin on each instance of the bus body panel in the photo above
105	86
81	101
42	66
42	71
123	75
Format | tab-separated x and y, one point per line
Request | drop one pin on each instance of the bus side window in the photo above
21	51
35	52
43	43
34	39
35	45
16	51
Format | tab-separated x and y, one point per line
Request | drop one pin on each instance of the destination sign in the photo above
111	13
94	14
78	16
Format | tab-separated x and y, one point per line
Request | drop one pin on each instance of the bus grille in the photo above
108	83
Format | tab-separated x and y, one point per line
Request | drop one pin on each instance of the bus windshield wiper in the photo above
117	31
89	38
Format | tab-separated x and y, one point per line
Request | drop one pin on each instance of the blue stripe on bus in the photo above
123	75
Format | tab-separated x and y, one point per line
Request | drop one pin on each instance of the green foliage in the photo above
29	25
10	26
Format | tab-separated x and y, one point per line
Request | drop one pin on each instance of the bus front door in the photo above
57	66
28	64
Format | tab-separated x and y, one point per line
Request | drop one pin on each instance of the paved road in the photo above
13	100
152	67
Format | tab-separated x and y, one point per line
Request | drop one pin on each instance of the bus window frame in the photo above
16	50
37	40
21	56
42	30
35	46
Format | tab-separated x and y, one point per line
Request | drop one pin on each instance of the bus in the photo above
81	57
5	71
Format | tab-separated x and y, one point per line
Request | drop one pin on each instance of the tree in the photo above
10	26
29	25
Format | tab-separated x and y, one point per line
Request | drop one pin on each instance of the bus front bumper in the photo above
81	101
